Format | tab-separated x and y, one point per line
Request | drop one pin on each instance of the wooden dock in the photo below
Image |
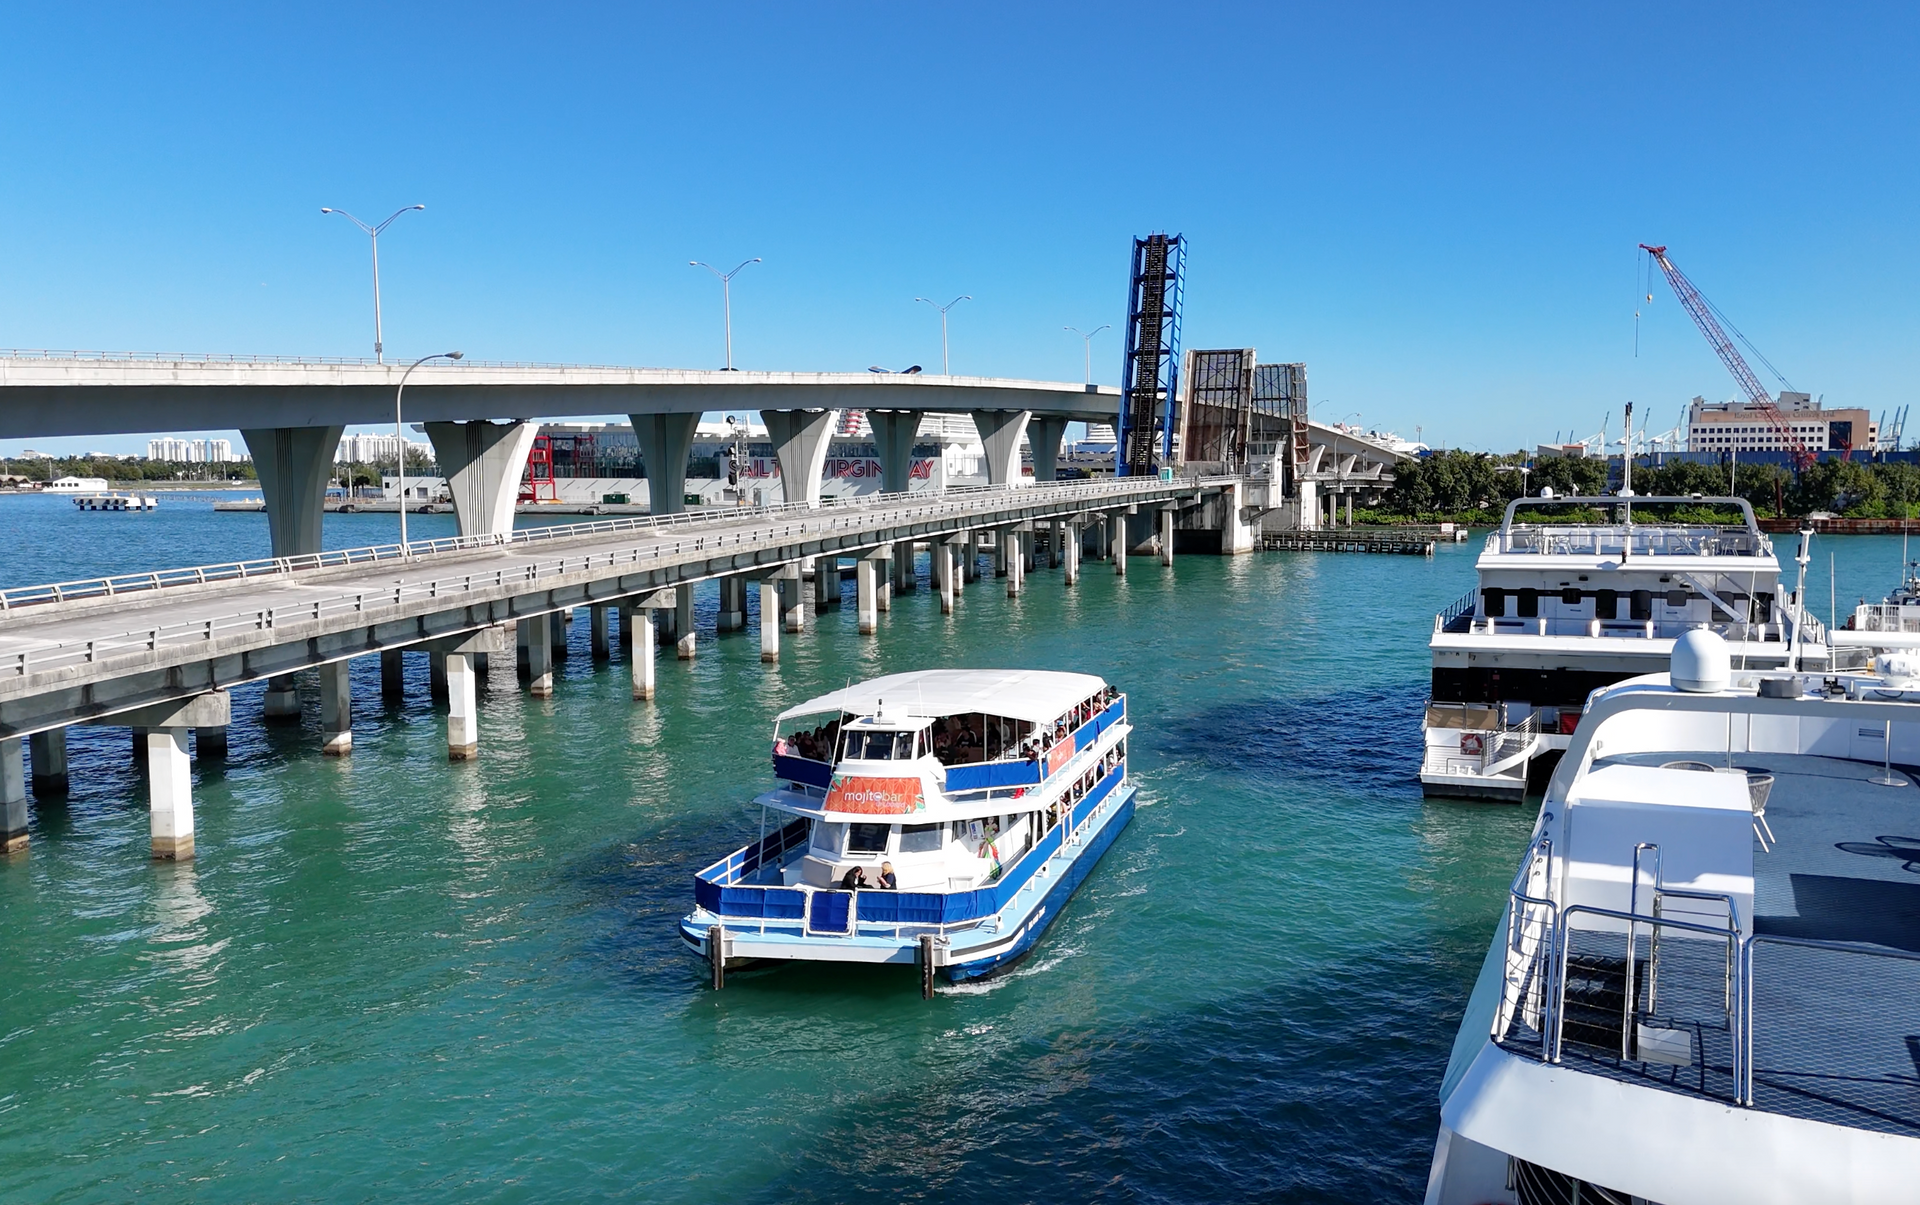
1407	541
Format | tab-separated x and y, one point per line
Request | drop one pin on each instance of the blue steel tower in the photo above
1150	374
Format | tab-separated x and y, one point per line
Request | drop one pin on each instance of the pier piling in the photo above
463	719
336	709
769	619
601	646
13	797
865	590
170	794
640	642
683	623
539	632
393	675
49	754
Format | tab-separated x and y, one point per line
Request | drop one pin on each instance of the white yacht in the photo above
1706	984
942	817
1564	608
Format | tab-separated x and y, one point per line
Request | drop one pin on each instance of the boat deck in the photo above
1836	1031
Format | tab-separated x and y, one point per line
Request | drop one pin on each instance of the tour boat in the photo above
116	502
1707	978
987	794
1564	608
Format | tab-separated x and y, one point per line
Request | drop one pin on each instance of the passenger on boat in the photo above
854	879
888	880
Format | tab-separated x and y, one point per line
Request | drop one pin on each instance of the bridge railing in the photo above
822	520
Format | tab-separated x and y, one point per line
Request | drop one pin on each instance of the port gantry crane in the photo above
1702	315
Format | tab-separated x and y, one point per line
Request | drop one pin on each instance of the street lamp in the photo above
1088	336
726	296
400	440
945	369
373	236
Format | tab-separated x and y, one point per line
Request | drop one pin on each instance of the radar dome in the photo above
1899	669
1700	663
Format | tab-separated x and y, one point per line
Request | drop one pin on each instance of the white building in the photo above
367	449
77	485
175	450
1742	427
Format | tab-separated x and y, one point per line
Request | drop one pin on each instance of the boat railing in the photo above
722	889
1459	616
1490	751
1637	540
1886	617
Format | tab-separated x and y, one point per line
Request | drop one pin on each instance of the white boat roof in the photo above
1035	695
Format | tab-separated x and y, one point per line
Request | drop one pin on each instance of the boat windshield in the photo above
879	746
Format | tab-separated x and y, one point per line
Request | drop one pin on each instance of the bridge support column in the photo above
800	440
943	573
13	796
336	709
904	578
1028	541
793	599
1070	546
1016	560
970	562
483	463
170	794
769	619
826	583
893	433
601	647
436	676
557	622
865	600
463	706
733	605
1117	534
1000	434
638	623
539	632
1056	539
1236	534
293	464
393	674
1044	433
883	580
49	751
210	743
282	704
1349	509
1000	552
683	621
665	441
1166	535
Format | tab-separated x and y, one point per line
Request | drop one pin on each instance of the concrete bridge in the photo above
159	652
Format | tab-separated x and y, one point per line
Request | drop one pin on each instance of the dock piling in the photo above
13	797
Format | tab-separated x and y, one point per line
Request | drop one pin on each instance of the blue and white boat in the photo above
990	794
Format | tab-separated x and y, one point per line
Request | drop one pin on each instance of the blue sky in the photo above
1435	207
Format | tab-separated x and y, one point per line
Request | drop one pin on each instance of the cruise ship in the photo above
1706	983
1563	608
940	818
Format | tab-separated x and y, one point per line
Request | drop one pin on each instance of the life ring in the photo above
1471	742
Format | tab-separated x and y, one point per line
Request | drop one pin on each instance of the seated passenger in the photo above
854	879
888	880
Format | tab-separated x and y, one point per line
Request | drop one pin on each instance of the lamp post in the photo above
726	296
400	440
1088	336
373	236
946	369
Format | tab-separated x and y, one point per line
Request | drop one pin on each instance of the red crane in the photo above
1757	395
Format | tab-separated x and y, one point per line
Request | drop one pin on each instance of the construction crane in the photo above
1701	312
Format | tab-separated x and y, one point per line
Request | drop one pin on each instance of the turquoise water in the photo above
389	977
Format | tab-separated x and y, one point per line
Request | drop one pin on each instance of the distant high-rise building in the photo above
368	449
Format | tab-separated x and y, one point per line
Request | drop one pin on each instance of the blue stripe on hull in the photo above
1055	899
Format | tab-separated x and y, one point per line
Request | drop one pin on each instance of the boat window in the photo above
1676	598
922	838
1762	607
1606	604
827	836
867	838
1570	596
1496	603
870	746
1529	604
1640	605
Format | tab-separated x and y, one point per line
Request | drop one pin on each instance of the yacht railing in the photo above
1500	750
1686	1004
1638	540
1459	616
1886	617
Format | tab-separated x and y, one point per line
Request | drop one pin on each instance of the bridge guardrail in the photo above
838	516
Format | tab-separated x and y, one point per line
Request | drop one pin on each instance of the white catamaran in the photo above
1563	608
941	817
1706	986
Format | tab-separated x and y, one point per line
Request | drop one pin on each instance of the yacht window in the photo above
1496	603
1570	596
1529	604
922	838
1606	604
1676	598
867	838
1762	607
903	746
1640	604
870	746
827	836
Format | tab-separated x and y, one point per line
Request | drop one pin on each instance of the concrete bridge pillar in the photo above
1349	509
1056	543
826	583
210	743
683	617
557	622
483	463
970	559
49	752
463	707
336	709
282	703
866	601
539	633
793	599
601	646
883	579
904	578
170	794
1000	543
1166	535
1236	534
943	574
733	605
666	440
1044	433
294	465
436	675
393	674
1027	541
769	619
800	440
1070	548
1000	434
13	796
1016	559
1117	537
640	641
893	434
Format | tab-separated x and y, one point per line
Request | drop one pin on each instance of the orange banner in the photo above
1060	754
875	796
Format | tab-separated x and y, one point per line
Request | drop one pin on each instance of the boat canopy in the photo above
1037	696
